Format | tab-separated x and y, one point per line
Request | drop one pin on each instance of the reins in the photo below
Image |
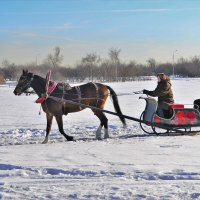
119	94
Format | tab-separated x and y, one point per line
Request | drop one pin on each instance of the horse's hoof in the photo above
45	141
106	136
125	126
70	138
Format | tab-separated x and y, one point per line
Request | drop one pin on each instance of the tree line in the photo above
94	68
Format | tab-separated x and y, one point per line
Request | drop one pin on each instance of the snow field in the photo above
129	165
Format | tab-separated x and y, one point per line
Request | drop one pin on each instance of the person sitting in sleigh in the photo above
164	93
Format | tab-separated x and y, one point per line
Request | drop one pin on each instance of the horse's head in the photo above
24	82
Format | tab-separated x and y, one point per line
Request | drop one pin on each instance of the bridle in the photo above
26	83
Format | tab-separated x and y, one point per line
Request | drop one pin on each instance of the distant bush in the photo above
2	80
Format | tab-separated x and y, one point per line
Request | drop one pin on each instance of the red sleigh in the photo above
182	118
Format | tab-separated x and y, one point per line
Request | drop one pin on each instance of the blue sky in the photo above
142	29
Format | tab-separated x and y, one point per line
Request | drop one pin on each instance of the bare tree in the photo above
2	79
151	62
5	63
55	59
114	57
90	61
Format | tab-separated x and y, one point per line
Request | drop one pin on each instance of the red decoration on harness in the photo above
40	100
48	90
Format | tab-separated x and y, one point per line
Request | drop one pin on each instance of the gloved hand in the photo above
145	91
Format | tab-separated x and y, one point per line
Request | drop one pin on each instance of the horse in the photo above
90	94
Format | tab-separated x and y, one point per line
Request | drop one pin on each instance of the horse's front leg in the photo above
60	126
48	129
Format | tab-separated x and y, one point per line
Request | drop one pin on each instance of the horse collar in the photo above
48	92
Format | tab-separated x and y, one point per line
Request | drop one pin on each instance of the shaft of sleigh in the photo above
116	114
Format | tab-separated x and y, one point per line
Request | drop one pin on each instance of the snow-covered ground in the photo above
129	165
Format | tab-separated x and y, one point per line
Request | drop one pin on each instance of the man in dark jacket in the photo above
164	93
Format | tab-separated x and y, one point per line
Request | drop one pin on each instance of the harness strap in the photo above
97	92
79	95
28	84
31	80
63	91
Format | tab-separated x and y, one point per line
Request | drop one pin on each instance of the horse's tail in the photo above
116	105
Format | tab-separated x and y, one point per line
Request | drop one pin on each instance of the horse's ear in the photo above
25	71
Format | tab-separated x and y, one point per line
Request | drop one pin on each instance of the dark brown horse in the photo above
89	94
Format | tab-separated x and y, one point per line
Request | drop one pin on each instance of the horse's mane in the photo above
40	78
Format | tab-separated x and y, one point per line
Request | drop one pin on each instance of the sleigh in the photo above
183	118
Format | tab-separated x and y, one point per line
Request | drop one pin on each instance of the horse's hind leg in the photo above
48	128
60	126
104	122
